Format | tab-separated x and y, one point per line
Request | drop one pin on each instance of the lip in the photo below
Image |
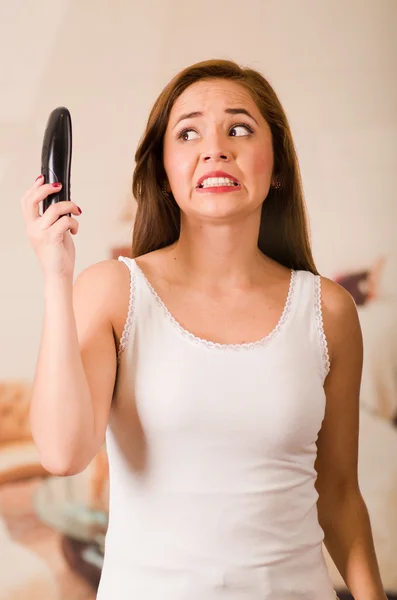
216	174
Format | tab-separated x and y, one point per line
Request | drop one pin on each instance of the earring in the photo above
276	185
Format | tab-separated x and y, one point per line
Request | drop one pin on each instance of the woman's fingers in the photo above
57	210
30	201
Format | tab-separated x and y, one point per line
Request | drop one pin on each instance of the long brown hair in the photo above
283	234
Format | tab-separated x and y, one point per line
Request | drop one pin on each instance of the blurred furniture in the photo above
378	321
120	251
378	435
84	557
23	574
19	458
67	505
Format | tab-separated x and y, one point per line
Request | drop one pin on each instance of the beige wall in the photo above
333	63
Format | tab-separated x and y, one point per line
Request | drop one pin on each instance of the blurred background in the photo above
333	64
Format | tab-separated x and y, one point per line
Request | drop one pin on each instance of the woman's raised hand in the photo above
49	235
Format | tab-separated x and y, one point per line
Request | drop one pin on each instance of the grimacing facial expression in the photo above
218	153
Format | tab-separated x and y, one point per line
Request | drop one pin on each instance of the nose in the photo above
217	156
216	150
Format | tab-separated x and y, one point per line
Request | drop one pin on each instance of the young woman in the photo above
224	370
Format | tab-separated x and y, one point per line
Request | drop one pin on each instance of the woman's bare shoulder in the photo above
337	301
102	276
105	286
340	316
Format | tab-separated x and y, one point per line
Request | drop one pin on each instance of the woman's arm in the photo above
342	511
76	369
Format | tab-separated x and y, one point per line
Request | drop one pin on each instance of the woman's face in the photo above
218	153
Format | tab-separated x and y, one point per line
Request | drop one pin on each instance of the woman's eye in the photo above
240	130
187	135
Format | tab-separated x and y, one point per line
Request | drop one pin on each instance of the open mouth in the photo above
218	182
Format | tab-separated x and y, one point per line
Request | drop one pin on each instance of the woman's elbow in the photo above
63	466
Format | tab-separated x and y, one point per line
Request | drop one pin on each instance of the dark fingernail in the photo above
39	177
56	185
79	209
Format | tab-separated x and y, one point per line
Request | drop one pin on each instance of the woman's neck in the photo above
218	256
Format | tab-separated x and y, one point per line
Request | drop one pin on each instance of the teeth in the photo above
217	181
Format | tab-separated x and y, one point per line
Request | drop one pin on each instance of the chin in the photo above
216	213
218	207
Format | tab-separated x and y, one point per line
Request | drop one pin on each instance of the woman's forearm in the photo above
349	541
61	414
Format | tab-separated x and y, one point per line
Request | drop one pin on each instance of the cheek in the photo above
261	164
179	167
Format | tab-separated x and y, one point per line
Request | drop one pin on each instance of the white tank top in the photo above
212	493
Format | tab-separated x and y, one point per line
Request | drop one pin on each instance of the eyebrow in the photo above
229	111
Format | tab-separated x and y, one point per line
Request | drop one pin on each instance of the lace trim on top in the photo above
127	326
216	345
320	326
